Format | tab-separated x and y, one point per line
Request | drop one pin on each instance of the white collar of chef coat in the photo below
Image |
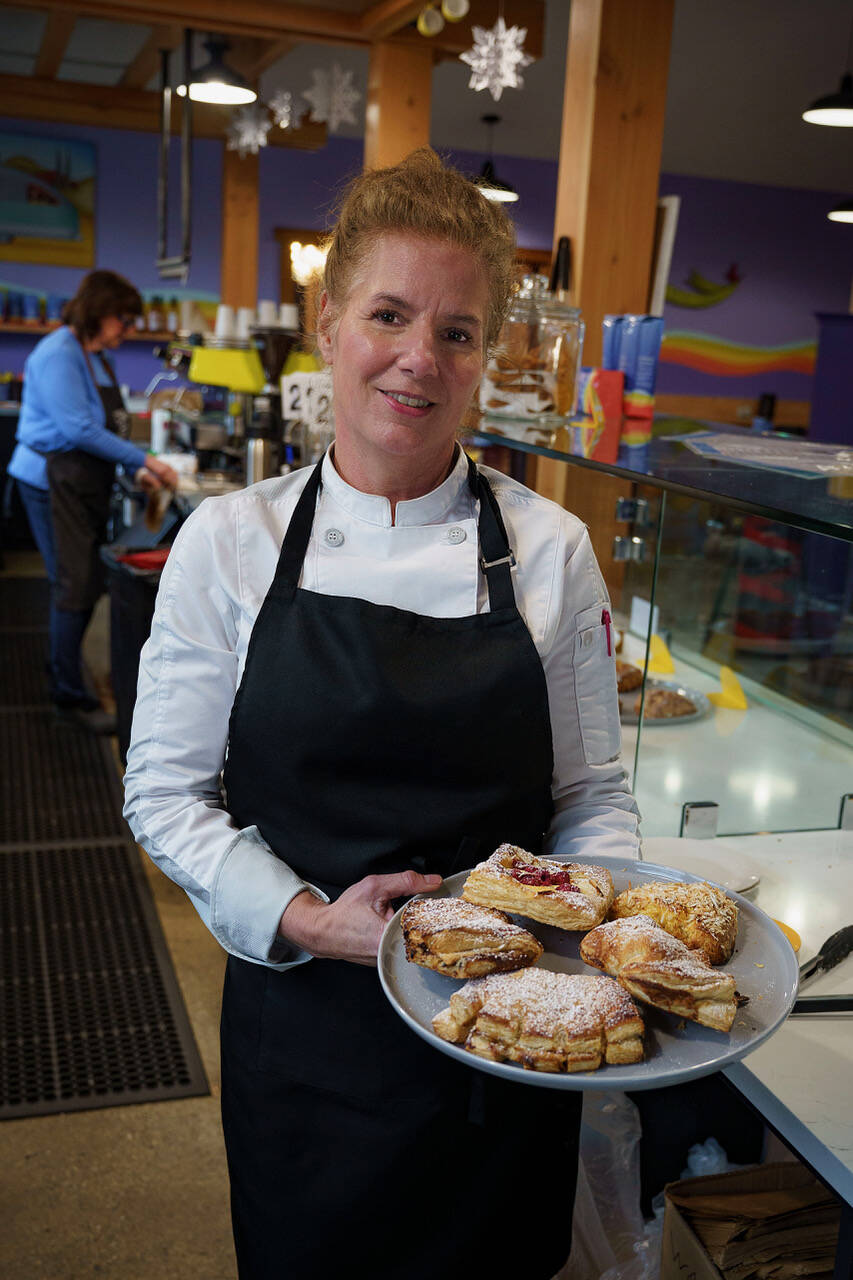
372	508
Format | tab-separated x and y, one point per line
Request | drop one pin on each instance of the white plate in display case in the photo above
763	964
629	715
708	859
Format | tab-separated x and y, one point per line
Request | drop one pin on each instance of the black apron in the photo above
367	739
80	486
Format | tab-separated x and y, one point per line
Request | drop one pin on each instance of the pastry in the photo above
698	914
462	940
544	1021
570	895
628	676
664	704
658	969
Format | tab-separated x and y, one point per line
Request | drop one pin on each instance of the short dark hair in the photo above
100	294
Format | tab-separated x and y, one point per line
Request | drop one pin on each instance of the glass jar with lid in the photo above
532	374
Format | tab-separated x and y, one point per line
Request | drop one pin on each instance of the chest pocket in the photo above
595	688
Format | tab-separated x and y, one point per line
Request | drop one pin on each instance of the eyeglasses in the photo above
128	322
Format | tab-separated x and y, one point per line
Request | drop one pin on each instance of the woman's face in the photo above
113	330
406	350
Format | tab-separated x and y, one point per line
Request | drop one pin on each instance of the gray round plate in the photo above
699	700
763	965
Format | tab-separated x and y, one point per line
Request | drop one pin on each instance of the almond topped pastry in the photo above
658	969
665	704
544	1021
699	914
462	940
570	895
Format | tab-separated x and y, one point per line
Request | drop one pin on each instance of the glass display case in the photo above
730	574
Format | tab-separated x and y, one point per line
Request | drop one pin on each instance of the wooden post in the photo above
239	281
613	115
399	85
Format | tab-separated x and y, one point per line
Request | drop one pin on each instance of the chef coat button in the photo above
334	538
456	535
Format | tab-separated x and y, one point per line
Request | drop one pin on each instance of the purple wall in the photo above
793	262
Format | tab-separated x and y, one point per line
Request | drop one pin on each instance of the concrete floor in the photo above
135	1192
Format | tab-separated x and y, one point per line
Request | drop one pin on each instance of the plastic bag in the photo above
608	1226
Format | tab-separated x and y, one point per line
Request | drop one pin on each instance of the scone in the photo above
570	895
628	676
659	970
699	914
665	704
544	1021
462	940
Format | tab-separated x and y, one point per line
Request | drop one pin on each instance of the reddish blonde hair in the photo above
423	197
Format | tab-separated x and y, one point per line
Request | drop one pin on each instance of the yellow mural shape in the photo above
660	659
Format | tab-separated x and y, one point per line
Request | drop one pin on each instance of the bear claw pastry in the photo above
462	940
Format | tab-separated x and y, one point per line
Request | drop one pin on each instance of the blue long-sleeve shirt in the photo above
61	409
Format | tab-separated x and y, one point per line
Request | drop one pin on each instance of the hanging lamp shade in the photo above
842	212
489	183
216	82
835	108
493	188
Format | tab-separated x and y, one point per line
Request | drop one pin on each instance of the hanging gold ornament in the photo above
430	21
455	10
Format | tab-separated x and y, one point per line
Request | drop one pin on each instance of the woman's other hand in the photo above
350	928
156	474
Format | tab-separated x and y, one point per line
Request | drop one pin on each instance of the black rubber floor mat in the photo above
23	675
90	1011
58	782
24	603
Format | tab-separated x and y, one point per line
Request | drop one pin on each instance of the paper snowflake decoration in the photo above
285	110
497	58
332	97
248	129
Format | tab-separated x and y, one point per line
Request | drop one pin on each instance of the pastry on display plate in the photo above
666	702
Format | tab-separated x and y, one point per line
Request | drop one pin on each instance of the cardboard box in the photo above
785	1203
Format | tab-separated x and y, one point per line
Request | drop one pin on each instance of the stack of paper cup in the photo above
288	315
267	313
245	317
224	321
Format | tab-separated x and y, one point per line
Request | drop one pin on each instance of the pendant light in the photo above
215	82
836	108
489	183
842	212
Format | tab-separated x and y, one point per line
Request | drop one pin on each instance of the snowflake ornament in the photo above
332	97
496	58
284	108
248	129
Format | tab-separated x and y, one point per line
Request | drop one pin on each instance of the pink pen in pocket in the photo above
605	622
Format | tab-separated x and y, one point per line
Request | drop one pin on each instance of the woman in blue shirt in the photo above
71	434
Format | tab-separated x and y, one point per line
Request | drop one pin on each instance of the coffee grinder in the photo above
265	429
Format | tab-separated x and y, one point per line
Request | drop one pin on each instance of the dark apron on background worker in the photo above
364	740
80	485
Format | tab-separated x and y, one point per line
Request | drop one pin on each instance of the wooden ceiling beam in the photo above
29	98
54	42
251	56
272	20
146	64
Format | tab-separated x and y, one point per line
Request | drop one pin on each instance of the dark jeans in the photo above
67	627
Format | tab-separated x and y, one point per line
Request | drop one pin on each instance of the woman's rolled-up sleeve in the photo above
594	811
188	675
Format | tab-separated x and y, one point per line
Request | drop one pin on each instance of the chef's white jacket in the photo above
215	581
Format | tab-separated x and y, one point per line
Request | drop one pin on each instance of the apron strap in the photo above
496	558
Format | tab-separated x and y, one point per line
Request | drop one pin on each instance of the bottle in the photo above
172	316
763	420
156	319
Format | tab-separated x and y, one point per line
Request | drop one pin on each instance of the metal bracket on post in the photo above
175	267
699	819
845	813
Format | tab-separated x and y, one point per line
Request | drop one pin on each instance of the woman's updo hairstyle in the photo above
421	197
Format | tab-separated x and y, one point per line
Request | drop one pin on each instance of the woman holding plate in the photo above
396	660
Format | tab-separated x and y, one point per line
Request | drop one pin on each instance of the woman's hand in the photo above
350	928
156	474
